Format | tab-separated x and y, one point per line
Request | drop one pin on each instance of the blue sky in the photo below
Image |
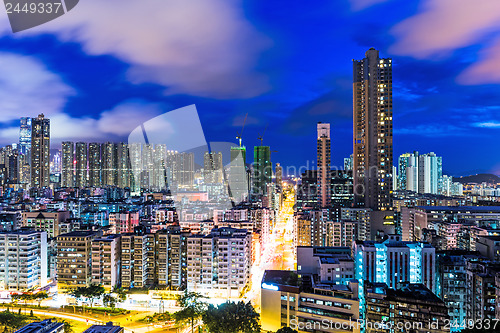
105	67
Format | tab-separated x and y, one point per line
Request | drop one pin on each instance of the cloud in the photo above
490	124
197	47
432	130
445	25
111	125
27	87
486	70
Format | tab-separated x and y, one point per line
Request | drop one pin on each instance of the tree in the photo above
232	317
40	296
11	320
92	292
109	300
286	329
192	308
121	294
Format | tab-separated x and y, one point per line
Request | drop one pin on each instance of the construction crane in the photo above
238	137
261	137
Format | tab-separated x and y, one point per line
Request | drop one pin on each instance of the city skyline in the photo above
442	94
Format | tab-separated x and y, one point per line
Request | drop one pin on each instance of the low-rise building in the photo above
306	306
44	326
47	221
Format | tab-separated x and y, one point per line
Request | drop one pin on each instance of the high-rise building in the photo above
74	259
372	119
106	261
40	152
171	257
279	174
218	264
213	168
23	258
420	173
324	159
124	167
109	164
95	164
262	169
394	261
238	180
25	136
81	159
68	165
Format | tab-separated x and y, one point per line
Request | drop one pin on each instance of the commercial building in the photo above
372	142
307	306
23	260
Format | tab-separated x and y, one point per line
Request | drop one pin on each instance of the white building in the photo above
218	264
23	260
106	261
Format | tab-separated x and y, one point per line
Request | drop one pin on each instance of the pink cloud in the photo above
486	70
445	25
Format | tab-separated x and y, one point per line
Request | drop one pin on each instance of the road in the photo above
278	252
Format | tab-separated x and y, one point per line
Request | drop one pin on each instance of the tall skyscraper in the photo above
324	158
95	164
238	181
372	120
40	152
262	169
212	168
25	136
68	166
109	164
420	173
124	167
81	159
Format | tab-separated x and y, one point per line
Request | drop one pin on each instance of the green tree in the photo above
92	292
232	317
11	321
121	294
192	306
109	300
286	329
40	296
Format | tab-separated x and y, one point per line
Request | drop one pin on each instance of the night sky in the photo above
107	66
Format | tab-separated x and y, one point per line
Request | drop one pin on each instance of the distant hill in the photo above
478	179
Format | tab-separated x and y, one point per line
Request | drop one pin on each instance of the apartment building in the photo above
481	296
106	261
74	259
48	221
23	260
138	259
394	261
171	257
218	264
409	308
